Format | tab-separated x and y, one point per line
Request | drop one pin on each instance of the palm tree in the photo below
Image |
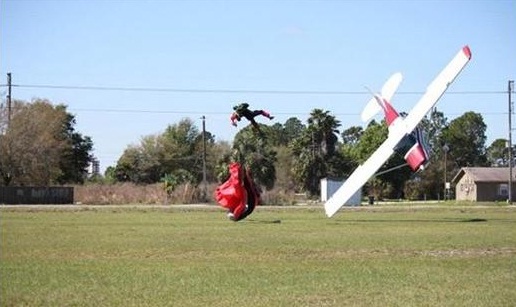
324	131
315	151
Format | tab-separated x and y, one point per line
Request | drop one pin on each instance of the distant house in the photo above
483	183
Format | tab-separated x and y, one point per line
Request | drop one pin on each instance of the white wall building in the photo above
330	186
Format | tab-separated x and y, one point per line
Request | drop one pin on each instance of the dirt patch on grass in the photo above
466	253
379	253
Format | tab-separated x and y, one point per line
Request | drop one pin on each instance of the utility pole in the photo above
510	89
8	99
204	158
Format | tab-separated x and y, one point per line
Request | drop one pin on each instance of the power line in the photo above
180	112
229	91
224	113
195	113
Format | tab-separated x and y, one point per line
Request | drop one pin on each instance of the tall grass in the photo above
130	193
440	256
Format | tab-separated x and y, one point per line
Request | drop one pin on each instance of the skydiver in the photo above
242	110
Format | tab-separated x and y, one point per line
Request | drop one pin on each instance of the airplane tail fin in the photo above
388	90
370	110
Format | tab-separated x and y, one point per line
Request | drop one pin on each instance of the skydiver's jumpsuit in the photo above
242	110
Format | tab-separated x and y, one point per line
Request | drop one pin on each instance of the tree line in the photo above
40	146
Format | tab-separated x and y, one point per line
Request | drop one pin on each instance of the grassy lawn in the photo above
393	256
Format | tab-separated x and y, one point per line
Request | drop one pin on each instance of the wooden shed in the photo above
483	184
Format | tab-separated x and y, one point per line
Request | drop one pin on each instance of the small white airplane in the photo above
404	135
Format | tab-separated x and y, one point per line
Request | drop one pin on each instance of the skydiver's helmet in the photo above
235	108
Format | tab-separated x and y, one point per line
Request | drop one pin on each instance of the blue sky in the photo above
287	57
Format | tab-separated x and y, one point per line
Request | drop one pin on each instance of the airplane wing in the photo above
396	132
360	176
437	88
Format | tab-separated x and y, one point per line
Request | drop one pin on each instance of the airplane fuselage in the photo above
405	136
411	147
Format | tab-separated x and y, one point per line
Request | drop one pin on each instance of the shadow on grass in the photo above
263	221
445	220
474	220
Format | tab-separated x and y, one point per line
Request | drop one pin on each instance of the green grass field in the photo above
392	256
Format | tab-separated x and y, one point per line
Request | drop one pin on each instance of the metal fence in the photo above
36	195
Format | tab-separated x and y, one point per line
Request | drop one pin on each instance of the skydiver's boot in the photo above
268	115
